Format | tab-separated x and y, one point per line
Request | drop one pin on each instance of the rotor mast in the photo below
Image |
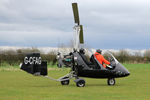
78	29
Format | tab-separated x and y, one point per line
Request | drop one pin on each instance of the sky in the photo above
107	24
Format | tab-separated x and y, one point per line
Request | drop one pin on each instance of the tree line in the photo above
15	57
125	56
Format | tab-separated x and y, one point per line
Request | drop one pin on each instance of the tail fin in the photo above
33	64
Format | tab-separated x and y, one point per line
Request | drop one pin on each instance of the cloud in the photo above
32	35
107	23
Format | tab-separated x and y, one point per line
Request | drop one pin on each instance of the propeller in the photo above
75	12
77	21
81	35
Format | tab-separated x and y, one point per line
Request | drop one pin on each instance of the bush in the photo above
13	58
147	56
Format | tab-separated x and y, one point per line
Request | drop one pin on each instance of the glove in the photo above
108	66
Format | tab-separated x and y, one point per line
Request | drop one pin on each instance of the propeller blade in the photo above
81	35
75	12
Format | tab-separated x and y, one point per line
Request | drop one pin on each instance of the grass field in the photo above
19	85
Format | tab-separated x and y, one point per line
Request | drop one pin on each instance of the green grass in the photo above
19	85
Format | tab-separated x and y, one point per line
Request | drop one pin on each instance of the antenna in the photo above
79	39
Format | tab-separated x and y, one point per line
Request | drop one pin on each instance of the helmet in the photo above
99	51
82	51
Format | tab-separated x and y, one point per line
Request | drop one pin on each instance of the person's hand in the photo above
110	67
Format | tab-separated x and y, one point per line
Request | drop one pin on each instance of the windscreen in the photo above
109	56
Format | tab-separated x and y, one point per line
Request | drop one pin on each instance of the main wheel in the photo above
111	81
80	83
66	82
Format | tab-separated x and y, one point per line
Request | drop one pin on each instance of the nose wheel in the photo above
111	81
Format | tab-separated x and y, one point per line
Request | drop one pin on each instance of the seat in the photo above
85	59
90	64
93	61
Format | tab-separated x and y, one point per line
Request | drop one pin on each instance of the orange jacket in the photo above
101	59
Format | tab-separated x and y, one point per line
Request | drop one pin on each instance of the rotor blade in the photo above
75	12
81	35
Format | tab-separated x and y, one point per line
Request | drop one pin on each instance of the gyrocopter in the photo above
33	63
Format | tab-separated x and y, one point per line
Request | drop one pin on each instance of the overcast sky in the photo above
108	24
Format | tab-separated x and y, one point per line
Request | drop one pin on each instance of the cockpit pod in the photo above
119	69
93	69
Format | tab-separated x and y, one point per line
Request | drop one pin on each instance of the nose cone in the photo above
121	71
126	73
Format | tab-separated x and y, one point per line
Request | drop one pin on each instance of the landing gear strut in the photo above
65	80
111	81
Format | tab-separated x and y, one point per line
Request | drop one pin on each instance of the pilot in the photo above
101	59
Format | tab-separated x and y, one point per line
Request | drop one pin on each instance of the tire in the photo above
66	82
80	83
111	81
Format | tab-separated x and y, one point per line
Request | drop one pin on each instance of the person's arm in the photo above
105	61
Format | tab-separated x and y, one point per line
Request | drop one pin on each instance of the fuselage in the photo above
97	70
118	72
